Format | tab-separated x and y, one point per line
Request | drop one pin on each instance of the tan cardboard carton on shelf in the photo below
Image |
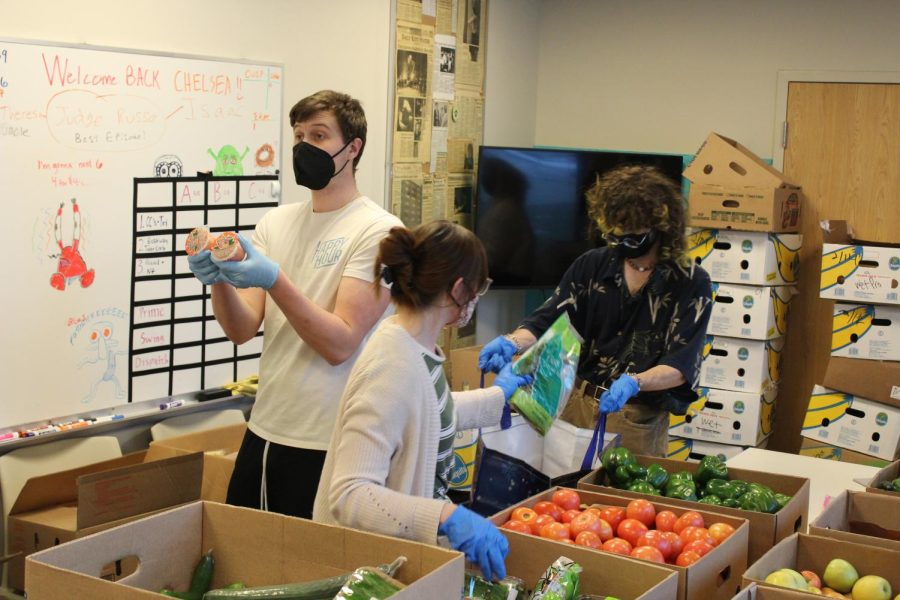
740	364
732	188
825	451
854	423
727	417
59	507
715	576
888	473
754	312
765	529
254	547
802	552
755	592
694	450
862	518
877	380
747	257
465	374
866	331
219	447
855	270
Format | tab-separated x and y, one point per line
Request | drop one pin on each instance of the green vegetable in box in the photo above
200	580
552	360
366	583
613	458
684	489
721	488
657	476
478	588
711	499
561	581
643	487
711	467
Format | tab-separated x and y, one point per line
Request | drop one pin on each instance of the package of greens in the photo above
552	360
366	583
561	581
478	588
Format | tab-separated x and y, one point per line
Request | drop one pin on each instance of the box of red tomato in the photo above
707	550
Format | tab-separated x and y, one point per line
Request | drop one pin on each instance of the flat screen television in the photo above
530	208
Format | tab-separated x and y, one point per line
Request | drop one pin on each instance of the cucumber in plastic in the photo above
369	584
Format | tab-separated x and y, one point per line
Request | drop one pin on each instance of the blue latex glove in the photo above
496	354
256	270
509	382
621	391
203	268
478	539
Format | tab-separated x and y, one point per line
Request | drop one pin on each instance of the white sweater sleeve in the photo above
478	408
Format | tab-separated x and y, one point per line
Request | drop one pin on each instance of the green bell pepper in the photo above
711	499
680	488
682	475
759	500
637	471
740	487
730	503
615	457
711	467
721	488
782	499
657	476
621	474
642	487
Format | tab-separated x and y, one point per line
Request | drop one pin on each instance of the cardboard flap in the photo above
723	161
877	380
61	487
226	438
127	491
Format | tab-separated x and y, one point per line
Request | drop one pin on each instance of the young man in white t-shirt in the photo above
308	278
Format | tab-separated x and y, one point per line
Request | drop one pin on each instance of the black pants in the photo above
291	477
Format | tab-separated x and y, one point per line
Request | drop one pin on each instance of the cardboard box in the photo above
866	331
765	529
219	447
862	518
803	552
875	380
695	450
732	188
747	257
741	365
464	373
727	417
854	423
859	273
755	312
59	507
255	547
755	592
825	451
604	574
888	473
716	576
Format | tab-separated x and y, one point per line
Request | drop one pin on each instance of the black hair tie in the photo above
387	274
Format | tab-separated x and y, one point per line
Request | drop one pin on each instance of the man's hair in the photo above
346	110
633	197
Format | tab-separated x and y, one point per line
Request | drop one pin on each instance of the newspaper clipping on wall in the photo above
413	93
470	47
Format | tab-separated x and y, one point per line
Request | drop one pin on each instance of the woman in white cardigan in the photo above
388	466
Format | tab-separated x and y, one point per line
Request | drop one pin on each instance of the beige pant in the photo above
644	429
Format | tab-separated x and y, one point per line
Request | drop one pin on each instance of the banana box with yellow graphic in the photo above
866	331
747	257
753	312
727	417
741	365
857	424
816	449
694	450
857	273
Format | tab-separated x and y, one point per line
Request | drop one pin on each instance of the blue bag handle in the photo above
506	417
596	444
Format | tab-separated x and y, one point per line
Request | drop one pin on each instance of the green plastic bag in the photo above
552	360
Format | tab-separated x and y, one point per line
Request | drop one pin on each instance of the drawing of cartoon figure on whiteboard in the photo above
71	264
102	350
168	165
229	162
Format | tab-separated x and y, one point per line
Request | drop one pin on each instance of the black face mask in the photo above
314	167
632	245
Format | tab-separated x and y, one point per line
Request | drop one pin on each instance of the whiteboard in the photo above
84	134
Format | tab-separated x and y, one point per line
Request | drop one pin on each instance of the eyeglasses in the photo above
629	240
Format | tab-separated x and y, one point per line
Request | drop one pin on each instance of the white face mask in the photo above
465	313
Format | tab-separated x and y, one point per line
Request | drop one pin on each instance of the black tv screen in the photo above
531	213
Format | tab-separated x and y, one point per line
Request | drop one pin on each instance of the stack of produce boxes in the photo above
744	214
855	415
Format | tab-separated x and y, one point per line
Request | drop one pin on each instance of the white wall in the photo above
342	45
657	75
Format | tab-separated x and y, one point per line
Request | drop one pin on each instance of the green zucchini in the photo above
319	589
200	580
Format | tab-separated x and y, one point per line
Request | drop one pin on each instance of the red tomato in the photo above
658	540
617	546
523	514
613	515
589	539
555	531
539	523
699	546
566	499
566	541
519	526
594	510
548	508
720	532
676	543
642	510
688	519
568	515
689	534
631	531
588	521
687	558
665	520
648	553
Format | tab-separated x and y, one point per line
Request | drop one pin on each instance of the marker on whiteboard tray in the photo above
171	404
108	418
44	429
12	435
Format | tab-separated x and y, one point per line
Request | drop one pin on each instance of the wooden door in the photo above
843	147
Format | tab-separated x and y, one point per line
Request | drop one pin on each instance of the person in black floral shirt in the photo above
640	304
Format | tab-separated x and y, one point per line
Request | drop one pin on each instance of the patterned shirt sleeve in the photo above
686	332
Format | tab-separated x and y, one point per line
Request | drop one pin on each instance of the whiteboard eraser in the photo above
276	189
